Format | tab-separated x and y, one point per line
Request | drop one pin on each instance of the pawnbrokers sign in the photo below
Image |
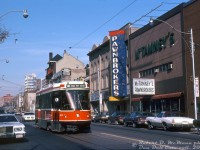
143	86
118	63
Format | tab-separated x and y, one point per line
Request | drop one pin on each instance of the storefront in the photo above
157	53
158	103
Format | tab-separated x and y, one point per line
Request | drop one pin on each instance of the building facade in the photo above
29	101
162	52
99	59
101	68
64	68
30	82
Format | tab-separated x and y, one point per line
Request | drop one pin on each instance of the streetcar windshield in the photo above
80	99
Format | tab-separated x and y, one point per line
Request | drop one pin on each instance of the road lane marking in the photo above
145	142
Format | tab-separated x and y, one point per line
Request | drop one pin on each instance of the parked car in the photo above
136	119
28	116
2	111
10	127
103	117
117	117
93	115
170	120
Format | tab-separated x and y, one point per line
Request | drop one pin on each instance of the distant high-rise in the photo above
30	82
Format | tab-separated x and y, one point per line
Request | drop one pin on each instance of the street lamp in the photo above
192	54
25	13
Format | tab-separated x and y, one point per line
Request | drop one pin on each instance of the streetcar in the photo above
63	107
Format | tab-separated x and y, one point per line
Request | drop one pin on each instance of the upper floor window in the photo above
106	81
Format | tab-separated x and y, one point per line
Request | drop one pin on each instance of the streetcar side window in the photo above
43	101
56	97
60	101
37	102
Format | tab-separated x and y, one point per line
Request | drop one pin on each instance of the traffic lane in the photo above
157	137
98	141
130	130
39	139
104	136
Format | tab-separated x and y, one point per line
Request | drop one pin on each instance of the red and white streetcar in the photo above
63	107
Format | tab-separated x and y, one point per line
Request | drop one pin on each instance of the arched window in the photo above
102	64
106	81
95	67
102	82
95	86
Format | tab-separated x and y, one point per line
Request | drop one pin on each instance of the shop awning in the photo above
137	99
159	96
165	96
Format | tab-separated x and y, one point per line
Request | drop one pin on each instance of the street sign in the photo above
197	86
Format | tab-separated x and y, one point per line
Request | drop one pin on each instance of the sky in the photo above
58	25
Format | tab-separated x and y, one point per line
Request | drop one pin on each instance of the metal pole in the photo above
193	72
99	91
25	14
129	72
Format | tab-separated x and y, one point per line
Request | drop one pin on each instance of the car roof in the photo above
7	114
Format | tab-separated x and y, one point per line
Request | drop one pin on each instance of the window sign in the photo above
143	86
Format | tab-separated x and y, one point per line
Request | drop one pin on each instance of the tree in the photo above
4	34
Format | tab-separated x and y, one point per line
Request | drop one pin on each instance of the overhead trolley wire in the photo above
102	24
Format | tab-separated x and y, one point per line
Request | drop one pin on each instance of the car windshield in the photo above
80	99
104	113
8	119
173	114
146	114
28	113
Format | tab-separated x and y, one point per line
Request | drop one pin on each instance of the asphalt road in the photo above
105	137
38	139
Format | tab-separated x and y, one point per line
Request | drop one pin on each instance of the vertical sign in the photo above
118	63
197	86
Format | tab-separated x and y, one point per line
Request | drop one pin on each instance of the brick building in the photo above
162	52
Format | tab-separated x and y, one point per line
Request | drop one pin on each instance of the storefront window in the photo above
136	106
198	107
156	107
146	106
174	105
166	105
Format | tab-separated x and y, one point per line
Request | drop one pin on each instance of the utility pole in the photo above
193	72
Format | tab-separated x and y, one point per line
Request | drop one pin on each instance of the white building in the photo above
30	82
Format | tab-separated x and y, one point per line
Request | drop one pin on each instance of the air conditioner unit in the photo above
156	70
170	66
